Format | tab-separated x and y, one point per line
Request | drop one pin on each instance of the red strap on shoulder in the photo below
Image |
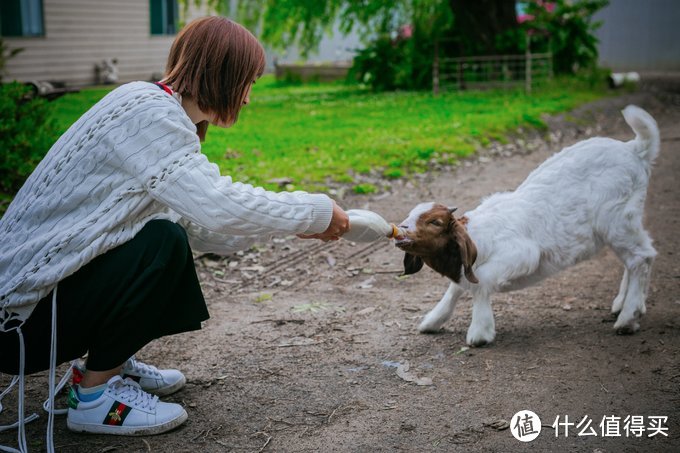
164	87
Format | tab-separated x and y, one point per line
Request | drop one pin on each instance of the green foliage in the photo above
282	23
567	30
401	57
385	64
26	134
391	60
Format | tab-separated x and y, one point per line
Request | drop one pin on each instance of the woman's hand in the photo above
339	225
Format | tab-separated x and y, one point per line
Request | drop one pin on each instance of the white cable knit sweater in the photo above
131	158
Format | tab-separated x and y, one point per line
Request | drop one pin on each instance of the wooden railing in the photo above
492	71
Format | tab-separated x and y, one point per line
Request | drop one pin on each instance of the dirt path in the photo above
302	349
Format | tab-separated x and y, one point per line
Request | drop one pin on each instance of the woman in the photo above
96	246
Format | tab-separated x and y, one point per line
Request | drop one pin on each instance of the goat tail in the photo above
647	141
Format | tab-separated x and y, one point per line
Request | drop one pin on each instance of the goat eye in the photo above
436	222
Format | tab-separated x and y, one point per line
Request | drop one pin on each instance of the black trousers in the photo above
116	304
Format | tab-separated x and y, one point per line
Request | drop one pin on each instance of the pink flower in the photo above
406	31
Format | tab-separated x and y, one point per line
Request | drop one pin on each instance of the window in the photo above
21	18
164	17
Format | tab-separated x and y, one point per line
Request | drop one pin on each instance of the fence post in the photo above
435	69
527	69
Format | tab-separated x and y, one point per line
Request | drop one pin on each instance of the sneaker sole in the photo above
165	391
127	430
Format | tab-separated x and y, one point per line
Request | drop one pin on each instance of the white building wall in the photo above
81	33
640	35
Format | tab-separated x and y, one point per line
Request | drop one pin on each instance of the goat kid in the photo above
587	196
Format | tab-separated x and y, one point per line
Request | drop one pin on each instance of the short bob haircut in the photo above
213	60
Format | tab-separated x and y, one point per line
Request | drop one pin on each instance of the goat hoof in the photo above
428	326
430	330
479	341
627	329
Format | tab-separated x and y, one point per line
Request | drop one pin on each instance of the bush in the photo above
567	30
383	65
26	134
401	57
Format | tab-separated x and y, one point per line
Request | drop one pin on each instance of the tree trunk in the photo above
478	23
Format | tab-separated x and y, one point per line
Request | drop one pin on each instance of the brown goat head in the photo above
436	238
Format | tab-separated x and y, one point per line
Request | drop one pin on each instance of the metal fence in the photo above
492	71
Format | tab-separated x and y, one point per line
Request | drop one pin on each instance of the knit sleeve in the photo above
203	240
163	153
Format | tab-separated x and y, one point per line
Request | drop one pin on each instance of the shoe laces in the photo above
128	391
141	368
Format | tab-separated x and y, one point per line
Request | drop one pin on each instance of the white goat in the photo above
587	196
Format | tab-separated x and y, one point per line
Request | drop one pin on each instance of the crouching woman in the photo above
97	246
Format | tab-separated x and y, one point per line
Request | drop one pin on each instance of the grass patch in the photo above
364	189
315	134
70	107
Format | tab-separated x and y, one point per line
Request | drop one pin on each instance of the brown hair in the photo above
213	60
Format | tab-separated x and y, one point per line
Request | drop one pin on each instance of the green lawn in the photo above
313	134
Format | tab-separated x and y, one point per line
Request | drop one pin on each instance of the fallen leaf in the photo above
391	364
403	372
256	268
367	284
311	307
263	297
498	425
300	341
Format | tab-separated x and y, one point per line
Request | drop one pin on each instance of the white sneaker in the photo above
123	409
153	380
150	378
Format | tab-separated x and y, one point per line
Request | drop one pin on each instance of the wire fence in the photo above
490	71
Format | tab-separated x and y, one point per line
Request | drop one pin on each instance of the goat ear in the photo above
468	251
412	264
